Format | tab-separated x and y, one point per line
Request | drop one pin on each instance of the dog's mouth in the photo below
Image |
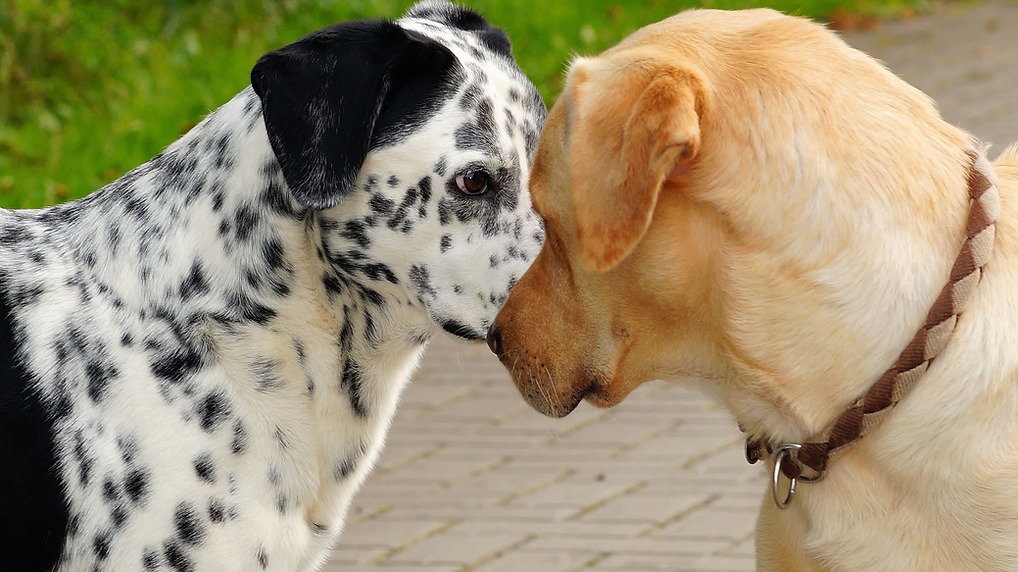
462	331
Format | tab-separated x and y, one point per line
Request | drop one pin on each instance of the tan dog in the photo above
741	202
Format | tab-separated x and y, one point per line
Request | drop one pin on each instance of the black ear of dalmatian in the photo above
322	97
464	19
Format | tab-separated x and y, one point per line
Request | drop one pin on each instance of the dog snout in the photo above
495	340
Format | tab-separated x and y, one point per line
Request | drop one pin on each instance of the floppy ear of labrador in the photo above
742	203
614	201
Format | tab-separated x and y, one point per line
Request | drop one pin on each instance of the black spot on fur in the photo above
61	404
263	558
99	374
444	212
370	330
239	443
446	242
14	234
195	283
344	467
278	199
205	468
128	448
177	365
272	250
409	198
281	438
346	334
150	558
381	205
213	410
379	271
118	516
371	184
217	511
176	557
101	545
136	485
332	284
25	294
372	297
248	310
398	218
110	492
421	280
73	525
471	96
351	384
424	185
459	330
217	199
188	524
245	220
82	456
137	207
223	154
266	375
354	231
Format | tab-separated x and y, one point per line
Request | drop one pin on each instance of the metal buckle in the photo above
784	453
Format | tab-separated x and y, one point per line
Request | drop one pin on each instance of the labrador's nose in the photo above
494	340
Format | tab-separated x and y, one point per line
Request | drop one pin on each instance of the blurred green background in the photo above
90	89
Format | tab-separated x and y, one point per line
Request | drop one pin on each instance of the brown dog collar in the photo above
869	410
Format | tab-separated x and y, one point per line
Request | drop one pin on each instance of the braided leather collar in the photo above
870	409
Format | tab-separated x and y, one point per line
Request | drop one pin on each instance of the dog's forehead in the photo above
497	107
479	61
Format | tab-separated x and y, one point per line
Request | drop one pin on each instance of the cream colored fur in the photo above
772	229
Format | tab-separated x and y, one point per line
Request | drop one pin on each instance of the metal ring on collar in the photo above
782	455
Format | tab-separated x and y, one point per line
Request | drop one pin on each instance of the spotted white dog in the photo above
199	362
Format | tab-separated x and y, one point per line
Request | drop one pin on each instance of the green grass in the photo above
90	89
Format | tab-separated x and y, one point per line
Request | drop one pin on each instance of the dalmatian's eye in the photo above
473	182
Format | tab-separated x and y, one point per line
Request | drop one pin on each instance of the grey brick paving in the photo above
474	480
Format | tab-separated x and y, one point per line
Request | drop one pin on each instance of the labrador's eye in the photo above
473	182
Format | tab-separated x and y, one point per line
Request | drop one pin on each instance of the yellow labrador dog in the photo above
740	202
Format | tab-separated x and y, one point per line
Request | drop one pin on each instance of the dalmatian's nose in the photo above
494	340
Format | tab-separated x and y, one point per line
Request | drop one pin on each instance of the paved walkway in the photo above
474	480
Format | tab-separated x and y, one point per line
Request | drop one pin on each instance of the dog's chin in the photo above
599	396
556	408
462	331
554	404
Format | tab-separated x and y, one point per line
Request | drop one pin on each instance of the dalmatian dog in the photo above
199	362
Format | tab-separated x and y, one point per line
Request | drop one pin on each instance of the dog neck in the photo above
213	216
868	410
190	217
